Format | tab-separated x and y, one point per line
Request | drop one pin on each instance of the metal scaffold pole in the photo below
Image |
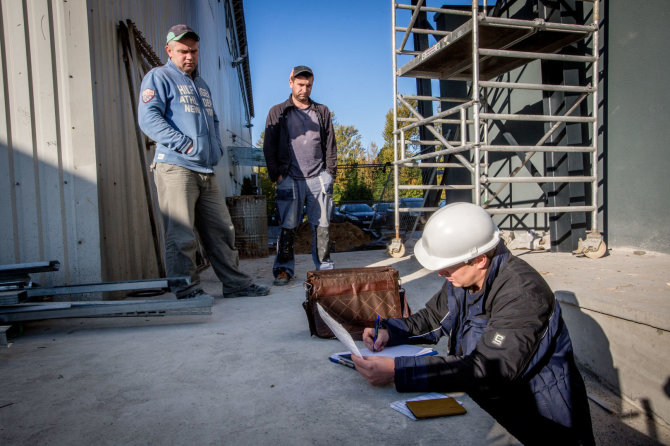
487	49
476	125
396	248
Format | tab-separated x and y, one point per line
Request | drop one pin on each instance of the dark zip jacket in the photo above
276	142
509	349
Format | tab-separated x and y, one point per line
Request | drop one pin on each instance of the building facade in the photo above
74	164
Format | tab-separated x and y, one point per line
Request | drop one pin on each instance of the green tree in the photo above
406	175
268	188
349	147
350	184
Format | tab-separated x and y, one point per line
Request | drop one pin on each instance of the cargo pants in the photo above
191	200
316	194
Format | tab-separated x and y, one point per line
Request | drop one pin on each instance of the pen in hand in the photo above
374	340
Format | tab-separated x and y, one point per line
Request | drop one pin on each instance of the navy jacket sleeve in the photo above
331	144
520	307
271	143
426	326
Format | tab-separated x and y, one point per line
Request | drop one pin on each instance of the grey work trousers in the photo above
316	194
189	200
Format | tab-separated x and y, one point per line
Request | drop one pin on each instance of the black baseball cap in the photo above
178	32
302	69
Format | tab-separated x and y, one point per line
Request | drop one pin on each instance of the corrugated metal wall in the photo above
126	236
69	155
127	249
47	167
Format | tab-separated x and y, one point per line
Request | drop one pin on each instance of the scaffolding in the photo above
478	140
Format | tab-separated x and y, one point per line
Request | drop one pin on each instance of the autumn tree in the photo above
350	184
407	175
268	188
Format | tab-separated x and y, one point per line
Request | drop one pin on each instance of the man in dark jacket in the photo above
301	156
509	348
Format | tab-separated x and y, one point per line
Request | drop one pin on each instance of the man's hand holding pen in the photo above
378	370
381	339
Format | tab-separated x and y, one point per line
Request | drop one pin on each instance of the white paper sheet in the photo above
395	351
339	331
399	350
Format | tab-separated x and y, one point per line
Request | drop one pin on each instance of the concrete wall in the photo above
637	91
618	314
624	348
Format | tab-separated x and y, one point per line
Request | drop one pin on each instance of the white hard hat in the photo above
456	233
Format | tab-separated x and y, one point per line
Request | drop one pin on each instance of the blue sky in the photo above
347	43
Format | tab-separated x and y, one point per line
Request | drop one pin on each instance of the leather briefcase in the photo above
353	297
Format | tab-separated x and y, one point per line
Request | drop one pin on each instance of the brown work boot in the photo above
282	279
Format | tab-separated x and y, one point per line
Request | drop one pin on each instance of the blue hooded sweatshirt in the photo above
177	112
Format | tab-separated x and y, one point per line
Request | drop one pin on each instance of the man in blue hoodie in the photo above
176	111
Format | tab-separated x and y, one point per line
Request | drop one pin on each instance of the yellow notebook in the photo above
439	407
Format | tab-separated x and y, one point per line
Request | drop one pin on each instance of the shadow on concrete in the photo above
593	354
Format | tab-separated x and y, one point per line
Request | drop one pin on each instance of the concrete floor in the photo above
247	374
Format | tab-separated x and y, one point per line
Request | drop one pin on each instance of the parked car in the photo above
414	202
407	218
359	214
336	216
381	215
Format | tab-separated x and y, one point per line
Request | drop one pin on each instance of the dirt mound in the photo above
343	237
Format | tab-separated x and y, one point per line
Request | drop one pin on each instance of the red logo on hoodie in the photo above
148	95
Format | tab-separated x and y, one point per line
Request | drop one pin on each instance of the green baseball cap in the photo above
178	32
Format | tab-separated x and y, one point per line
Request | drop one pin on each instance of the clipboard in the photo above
438	407
344	358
